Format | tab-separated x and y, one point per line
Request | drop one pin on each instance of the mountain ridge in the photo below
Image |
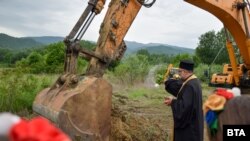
15	43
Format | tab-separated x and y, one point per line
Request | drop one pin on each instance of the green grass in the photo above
155	96
137	93
141	107
18	90
145	93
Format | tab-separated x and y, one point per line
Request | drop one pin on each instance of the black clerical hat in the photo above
187	65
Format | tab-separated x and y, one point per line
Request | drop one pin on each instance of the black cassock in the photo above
187	110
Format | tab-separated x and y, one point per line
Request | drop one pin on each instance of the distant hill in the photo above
156	48
133	46
169	50
14	43
10	42
46	39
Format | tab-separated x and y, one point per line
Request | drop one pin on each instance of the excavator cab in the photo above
81	104
226	79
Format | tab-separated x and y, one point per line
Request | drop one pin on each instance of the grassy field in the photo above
18	90
147	103
138	112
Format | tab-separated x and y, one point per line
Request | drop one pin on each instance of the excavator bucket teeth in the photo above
83	112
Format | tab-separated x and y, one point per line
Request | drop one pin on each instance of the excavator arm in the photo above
234	14
110	44
81	104
72	41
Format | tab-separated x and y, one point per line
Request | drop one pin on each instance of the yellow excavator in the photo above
81	104
234	14
233	73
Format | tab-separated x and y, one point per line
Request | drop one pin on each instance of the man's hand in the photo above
168	100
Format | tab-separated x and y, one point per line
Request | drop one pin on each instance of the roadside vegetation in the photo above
33	70
23	75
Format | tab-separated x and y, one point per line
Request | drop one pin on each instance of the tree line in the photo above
50	59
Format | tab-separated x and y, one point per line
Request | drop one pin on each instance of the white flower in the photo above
236	91
7	120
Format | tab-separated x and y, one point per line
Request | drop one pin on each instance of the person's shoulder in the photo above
173	81
193	82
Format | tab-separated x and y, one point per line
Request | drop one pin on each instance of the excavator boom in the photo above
81	105
115	25
234	14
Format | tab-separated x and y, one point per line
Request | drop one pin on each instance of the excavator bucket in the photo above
83	110
81	106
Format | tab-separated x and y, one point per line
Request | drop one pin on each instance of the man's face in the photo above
182	73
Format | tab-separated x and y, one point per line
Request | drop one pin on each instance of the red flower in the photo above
38	129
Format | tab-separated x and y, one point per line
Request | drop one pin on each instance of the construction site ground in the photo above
138	113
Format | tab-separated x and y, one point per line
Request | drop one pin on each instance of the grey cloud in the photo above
37	17
167	21
174	22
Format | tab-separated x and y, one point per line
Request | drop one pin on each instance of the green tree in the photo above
34	57
176	60
19	55
55	57
210	44
155	59
49	59
132	69
36	62
143	52
223	56
88	44
2	54
207	47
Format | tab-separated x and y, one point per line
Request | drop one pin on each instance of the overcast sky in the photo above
172	22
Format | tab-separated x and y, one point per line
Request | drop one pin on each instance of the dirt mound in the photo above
126	125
